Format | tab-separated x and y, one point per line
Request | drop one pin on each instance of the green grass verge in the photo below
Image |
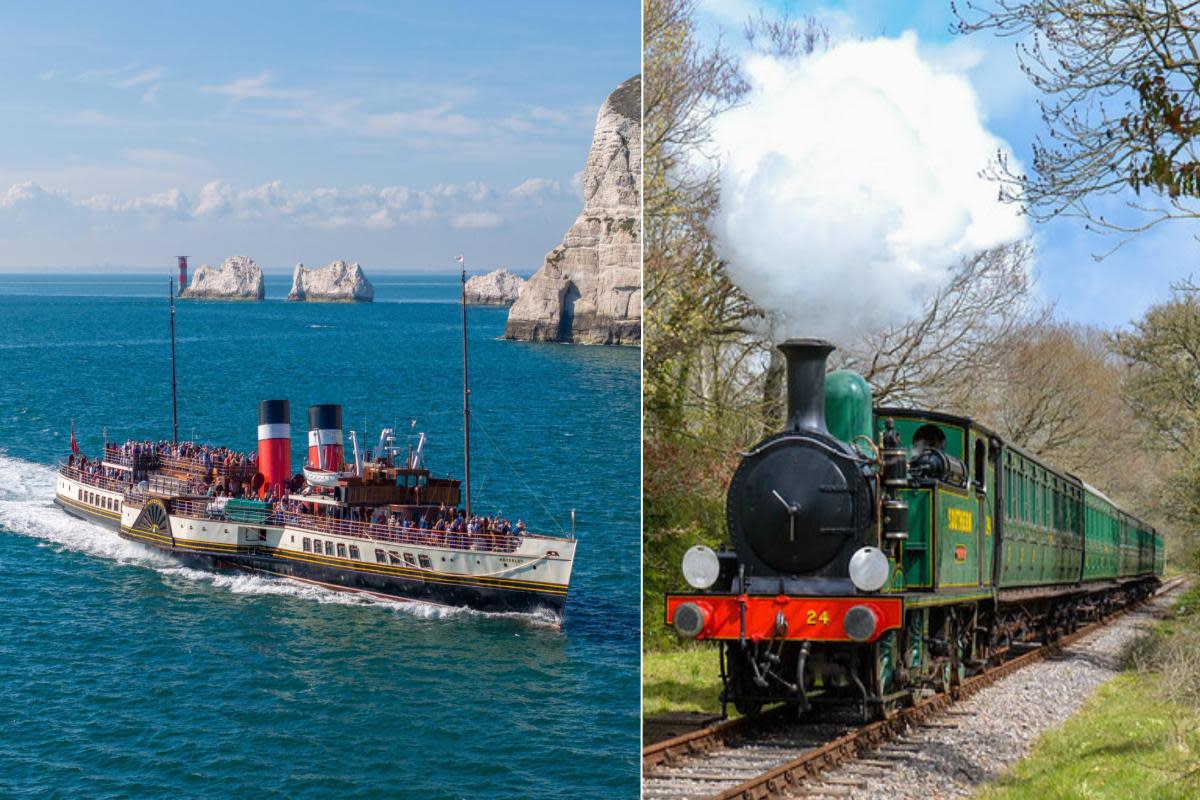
683	679
1126	742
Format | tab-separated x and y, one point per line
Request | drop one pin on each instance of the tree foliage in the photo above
1163	389
1120	86
936	357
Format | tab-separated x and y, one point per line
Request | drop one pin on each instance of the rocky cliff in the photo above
497	288
239	278
336	282
589	287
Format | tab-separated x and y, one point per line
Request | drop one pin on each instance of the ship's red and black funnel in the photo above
325	437
275	445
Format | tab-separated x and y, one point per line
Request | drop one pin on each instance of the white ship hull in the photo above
533	575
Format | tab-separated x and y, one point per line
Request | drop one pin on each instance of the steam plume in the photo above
850	185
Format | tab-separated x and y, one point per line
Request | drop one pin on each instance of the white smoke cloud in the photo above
850	185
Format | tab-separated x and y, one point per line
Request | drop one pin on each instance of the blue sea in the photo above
124	674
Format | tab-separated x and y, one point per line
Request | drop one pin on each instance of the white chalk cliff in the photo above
336	282
239	278
589	288
497	288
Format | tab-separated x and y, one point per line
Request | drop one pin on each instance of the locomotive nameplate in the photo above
959	520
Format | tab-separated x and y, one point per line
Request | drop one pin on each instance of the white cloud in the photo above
257	87
478	219
140	79
28	193
438	119
535	188
466	206
214	199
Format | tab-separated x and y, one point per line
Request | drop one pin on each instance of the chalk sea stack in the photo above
239	278
497	288
336	282
589	289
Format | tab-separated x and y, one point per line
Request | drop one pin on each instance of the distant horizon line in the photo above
172	271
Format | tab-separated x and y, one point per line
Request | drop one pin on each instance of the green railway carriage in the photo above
1010	520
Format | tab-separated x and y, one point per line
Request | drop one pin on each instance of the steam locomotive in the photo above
879	553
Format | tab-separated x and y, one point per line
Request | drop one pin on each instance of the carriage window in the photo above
307	545
380	557
354	551
341	551
1021	497
1035	517
980	464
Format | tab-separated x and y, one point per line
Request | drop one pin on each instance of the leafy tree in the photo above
1163	389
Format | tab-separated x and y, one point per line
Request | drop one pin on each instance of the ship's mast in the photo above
174	399
466	393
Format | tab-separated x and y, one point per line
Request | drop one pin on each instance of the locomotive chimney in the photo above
806	383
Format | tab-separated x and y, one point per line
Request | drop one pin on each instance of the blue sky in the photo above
393	134
1109	292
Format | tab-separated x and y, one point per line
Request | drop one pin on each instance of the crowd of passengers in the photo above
93	469
207	456
444	520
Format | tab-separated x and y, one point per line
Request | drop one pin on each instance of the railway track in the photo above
775	755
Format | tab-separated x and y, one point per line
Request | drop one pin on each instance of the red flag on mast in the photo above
74	444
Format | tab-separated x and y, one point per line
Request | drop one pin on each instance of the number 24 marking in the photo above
814	618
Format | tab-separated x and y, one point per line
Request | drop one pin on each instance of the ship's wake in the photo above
27	509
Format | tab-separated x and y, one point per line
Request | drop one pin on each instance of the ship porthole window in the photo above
380	557
307	544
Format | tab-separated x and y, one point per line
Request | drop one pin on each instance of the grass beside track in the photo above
1128	741
683	679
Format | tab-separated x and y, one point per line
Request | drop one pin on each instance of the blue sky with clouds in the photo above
393	134
1110	292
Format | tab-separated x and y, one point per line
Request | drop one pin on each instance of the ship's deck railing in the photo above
151	459
99	481
197	466
370	531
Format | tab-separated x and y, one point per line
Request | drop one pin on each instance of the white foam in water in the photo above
27	508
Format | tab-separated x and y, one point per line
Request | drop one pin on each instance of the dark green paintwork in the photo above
848	405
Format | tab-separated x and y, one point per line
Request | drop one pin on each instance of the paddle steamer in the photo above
381	524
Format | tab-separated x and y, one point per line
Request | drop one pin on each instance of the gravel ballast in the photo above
980	737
